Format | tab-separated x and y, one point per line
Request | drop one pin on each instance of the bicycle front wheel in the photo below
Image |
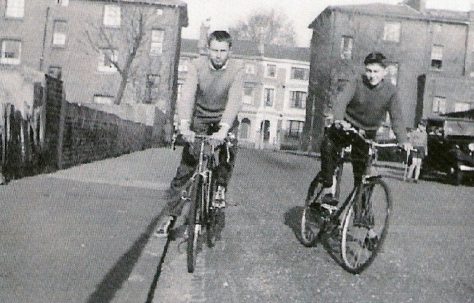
194	223
365	225
310	218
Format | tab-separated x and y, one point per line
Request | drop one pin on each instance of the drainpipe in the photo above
44	39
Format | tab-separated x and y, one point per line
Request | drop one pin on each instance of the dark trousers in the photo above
189	161
333	142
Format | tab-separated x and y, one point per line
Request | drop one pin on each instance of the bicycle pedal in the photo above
329	208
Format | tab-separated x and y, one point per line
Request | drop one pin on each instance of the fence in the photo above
57	134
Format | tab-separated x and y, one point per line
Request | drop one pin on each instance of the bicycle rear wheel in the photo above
365	225
194	222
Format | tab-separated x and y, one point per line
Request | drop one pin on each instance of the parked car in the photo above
450	148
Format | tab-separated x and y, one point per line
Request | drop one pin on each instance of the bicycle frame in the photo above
370	173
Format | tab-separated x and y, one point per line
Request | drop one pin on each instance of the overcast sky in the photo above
225	13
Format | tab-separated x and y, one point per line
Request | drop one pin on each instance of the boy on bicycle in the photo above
209	104
363	105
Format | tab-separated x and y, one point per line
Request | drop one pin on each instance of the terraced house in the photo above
431	54
106	52
274	93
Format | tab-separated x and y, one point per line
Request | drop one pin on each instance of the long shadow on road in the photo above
330	244
120	272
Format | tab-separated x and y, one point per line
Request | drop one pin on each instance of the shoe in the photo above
219	198
163	228
329	203
371	240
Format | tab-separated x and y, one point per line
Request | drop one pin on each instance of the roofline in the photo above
180	4
257	58
422	17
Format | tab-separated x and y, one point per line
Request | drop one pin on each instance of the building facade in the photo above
430	54
274	92
100	49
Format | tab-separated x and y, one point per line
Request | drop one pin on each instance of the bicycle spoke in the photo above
365	226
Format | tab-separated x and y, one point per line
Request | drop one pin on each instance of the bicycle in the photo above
200	193
361	222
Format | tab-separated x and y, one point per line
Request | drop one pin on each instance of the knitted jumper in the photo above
365	106
211	95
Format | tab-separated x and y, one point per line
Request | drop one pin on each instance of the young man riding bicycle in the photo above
209	104
363	105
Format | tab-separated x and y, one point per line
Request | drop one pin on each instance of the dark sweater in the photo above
365	106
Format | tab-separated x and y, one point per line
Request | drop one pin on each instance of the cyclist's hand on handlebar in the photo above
219	137
342	124
188	135
407	146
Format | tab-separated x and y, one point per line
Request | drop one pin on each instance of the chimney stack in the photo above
261	41
203	34
419	5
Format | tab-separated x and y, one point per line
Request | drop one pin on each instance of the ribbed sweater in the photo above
366	106
211	95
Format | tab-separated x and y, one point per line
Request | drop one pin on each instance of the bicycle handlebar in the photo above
370	141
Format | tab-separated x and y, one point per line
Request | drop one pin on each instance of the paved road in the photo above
427	257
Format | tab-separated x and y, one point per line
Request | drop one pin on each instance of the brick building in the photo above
275	89
80	40
430	53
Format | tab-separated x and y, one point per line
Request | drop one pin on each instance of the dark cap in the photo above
375	57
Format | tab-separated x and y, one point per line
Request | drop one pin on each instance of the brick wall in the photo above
73	134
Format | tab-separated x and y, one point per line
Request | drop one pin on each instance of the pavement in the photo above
85	234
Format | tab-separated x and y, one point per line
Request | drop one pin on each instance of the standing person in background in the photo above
210	101
419	139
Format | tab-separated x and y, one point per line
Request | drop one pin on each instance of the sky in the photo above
226	13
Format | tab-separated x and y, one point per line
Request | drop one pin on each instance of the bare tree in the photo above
274	27
128	41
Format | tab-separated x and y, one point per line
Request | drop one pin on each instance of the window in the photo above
295	128
183	65
11	52
179	91
55	72
462	106
437	57
107	60
112	15
269	95
63	2
152	81
439	105
101	99
298	99
437	27
249	69
244	128
15	9
156	46
271	70
346	47
471	74
59	32
391	31
248	93
299	73
392	73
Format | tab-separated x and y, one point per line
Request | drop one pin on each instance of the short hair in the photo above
375	58
221	36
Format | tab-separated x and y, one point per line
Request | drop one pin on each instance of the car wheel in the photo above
455	176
